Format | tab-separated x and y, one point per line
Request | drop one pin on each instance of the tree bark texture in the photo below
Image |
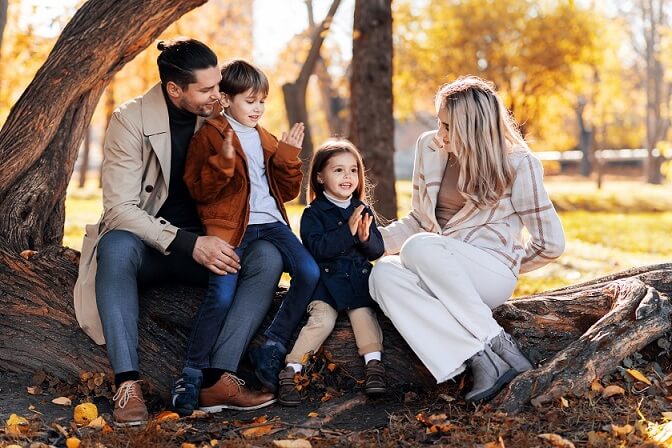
371	118
39	141
576	334
295	94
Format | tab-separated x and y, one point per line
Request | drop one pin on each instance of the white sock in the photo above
296	366
371	356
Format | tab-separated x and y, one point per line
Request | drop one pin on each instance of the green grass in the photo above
625	224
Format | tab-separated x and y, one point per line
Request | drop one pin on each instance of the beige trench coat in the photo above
136	172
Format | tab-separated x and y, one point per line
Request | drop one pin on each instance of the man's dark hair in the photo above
239	76
179	59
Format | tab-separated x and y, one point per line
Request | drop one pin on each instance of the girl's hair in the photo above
321	157
482	133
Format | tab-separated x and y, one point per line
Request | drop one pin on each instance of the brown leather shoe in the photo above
129	405
229	392
375	378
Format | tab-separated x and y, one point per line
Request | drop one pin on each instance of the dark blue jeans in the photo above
297	261
125	263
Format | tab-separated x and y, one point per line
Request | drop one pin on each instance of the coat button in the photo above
326	269
149	188
364	271
340	223
162	221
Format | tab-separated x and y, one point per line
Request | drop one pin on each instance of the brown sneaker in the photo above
129	405
229	392
287	393
375	378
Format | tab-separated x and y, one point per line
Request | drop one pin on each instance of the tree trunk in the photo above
39	141
84	164
4	5
295	94
595	324
371	118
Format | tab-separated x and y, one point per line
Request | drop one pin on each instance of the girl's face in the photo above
444	131
340	175
246	108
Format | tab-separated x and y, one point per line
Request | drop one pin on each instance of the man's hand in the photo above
227	150
355	219
363	228
216	255
295	136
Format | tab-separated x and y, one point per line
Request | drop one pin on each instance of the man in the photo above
150	232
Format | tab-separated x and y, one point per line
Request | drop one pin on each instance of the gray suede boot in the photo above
490	374
507	348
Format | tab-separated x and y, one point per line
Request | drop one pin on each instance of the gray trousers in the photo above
125	262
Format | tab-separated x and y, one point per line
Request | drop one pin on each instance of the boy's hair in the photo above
239	76
482	133
180	58
321	157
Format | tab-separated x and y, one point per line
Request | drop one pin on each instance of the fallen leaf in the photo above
27	254
621	431
34	390
598	439
259	431
667	415
214	442
167	415
556	440
313	414
612	390
198	414
72	442
446	398
563	402
16	425
84	413
97	423
62	401
187	445
331	366
639	376
596	385
296	443
326	397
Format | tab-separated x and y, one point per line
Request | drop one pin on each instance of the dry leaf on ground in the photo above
296	443
85	413
612	390
62	401
16	425
556	440
639	376
621	431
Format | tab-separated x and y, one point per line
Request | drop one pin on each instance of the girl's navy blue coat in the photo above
344	260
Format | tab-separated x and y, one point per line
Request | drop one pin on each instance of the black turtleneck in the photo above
179	208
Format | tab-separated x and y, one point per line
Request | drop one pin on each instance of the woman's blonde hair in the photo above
321	157
482	133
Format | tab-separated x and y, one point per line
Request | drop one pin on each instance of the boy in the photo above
240	176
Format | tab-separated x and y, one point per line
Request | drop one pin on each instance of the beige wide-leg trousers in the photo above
439	293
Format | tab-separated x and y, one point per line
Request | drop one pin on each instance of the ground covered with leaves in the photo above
630	407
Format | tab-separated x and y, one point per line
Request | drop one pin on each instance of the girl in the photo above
475	186
340	232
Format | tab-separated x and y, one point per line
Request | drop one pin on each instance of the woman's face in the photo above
444	131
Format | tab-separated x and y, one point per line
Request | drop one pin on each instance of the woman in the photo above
476	185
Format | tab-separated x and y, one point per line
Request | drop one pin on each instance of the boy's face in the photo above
198	97
246	107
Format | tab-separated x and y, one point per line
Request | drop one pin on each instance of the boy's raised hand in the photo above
295	136
363	228
227	150
355	219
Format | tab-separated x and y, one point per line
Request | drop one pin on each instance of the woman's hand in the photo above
355	219
294	137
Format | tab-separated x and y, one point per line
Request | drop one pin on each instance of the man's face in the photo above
198	97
